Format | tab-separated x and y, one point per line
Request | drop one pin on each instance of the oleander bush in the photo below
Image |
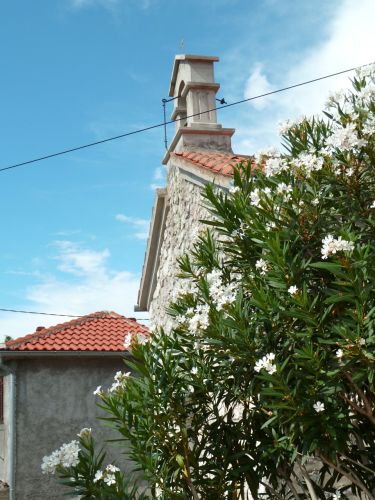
264	387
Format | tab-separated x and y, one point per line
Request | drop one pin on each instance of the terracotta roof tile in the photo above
100	331
217	162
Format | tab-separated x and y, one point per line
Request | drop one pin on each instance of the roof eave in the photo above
148	279
9	354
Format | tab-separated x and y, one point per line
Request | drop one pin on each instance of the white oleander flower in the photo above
284	127
270	152
66	456
120	381
266	363
69	454
234	189
98	476
333	245
270	225
98	391
50	462
112	468
200	318
86	431
318	407
368	128
293	290
283	188
128	340
274	166
366	71
308	163
262	266
339	353
345	138
255	198
109	479
142	338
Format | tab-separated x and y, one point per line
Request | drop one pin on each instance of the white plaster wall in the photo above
4	432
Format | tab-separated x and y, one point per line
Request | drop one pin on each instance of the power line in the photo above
158	125
57	314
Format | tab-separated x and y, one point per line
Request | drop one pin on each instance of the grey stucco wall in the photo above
54	402
186	209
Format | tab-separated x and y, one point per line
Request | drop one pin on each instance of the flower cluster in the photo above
275	166
262	266
221	294
108	475
266	363
284	189
308	163
344	138
65	456
200	318
120	380
331	246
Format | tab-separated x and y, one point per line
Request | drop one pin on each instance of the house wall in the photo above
54	402
186	209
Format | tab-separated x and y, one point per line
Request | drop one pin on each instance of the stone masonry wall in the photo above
186	208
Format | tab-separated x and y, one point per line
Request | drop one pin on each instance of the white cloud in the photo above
349	44
140	225
258	84
84	285
81	4
78	261
110	4
158	178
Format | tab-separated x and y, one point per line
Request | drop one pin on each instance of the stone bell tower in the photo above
193	90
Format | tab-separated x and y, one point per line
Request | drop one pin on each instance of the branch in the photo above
352	477
268	487
188	476
369	413
309	484
358	463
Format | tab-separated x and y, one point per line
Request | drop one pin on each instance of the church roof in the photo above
214	161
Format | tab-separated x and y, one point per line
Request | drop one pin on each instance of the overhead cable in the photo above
151	127
57	314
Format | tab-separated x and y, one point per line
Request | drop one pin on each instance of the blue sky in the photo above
76	71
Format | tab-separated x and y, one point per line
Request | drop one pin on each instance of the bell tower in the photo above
193	90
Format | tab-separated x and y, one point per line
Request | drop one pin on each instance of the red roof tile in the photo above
219	163
100	331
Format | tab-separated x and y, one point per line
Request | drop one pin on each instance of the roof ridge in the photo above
52	330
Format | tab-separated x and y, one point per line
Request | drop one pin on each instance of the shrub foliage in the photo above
264	387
